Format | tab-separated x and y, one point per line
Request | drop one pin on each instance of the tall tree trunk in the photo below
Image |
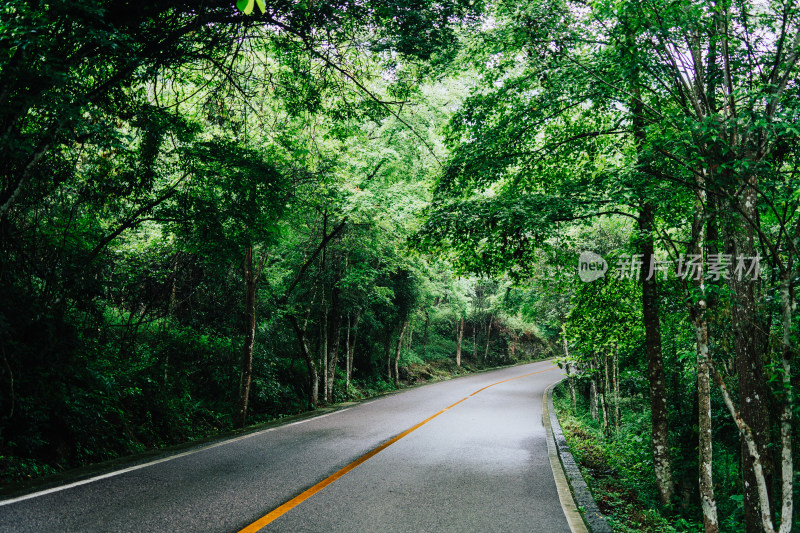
458	343
662	463
323	350
313	375
403	327
708	502
475	340
388	352
615	373
787	461
605	399
705	450
488	338
748	332
352	348
347	354
172	305
334	332
758	470
593	391
570	370
425	333
249	339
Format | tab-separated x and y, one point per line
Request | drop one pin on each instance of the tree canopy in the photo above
222	212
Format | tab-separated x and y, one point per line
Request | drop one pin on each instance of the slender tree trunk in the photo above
11	393
347	361
705	450
787	461
488	338
708	501
593	392
458	343
570	371
249	339
475	340
604	411
172	304
403	327
323	351
335	335
313	376
388	349
352	348
425	334
606	385
662	463
615	373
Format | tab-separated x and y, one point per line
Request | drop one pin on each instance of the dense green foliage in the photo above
659	135
217	213
160	156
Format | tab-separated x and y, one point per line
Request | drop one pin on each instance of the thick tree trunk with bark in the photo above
749	440
662	463
748	332
249	339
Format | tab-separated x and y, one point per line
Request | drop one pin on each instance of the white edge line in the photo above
170	458
162	460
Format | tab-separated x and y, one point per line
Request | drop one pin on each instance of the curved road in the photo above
476	460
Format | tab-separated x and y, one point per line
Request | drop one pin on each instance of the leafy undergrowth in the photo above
195	422
617	470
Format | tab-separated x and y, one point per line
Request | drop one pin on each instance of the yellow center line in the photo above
512	379
300	498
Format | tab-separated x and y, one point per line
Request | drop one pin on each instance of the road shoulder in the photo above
572	489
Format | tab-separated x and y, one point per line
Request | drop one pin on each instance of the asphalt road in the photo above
480	466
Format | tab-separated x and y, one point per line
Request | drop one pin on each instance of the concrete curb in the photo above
563	463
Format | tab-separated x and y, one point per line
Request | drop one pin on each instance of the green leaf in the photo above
246	6
262	6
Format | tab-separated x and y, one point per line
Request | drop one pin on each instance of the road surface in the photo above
474	460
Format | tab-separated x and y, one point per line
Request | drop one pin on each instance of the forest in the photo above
215	214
